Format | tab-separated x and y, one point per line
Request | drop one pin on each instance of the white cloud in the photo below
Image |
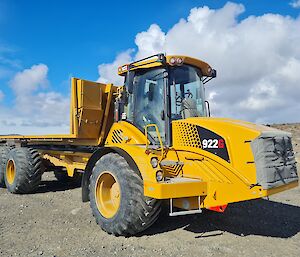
35	109
295	4
29	80
109	72
257	58
150	41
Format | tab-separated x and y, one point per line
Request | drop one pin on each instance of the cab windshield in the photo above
187	92
185	97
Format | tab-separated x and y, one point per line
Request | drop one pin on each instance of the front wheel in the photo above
117	198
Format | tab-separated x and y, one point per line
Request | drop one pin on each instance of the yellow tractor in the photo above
151	141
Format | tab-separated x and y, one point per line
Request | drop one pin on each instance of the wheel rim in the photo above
108	195
10	171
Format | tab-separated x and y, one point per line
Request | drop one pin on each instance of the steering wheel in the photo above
188	94
179	98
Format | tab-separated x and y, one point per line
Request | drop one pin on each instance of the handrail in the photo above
158	135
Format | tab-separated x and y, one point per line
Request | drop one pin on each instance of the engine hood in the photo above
229	139
243	145
225	124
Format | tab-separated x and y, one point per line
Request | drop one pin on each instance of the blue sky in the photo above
73	37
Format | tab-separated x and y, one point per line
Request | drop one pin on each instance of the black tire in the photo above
136	212
28	170
4	150
62	176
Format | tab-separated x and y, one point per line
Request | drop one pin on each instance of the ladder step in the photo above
180	213
170	163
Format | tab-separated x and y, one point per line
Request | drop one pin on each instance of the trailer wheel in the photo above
62	176
23	170
117	198
4	150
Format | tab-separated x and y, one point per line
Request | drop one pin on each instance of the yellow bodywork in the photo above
193	173
199	172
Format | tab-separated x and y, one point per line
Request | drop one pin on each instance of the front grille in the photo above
274	159
185	134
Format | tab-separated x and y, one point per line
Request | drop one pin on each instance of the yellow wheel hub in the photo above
108	195
10	171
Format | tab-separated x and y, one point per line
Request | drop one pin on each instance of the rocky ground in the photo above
54	222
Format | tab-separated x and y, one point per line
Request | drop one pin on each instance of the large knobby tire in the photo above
131	212
63	177
23	171
4	150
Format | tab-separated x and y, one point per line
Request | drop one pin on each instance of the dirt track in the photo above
54	222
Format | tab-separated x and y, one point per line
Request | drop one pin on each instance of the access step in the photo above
181	213
177	187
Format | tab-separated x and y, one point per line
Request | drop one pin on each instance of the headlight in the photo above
154	162
173	61
159	176
179	61
176	61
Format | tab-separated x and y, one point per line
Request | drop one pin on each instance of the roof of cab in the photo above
172	60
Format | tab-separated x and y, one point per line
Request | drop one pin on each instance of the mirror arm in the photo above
207	107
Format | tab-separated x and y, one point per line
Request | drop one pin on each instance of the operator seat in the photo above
189	108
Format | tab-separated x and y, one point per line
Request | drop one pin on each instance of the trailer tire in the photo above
135	212
4	150
23	170
62	176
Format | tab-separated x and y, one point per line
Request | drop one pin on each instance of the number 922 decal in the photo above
212	143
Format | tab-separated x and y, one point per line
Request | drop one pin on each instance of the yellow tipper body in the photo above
211	161
91	116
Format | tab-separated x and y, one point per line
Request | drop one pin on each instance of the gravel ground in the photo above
54	222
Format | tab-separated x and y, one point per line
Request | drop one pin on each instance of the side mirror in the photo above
151	92
162	115
129	81
207	108
213	73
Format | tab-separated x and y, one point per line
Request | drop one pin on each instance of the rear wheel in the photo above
23	170
4	150
117	198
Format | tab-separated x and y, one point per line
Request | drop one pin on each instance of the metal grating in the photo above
117	136
185	134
